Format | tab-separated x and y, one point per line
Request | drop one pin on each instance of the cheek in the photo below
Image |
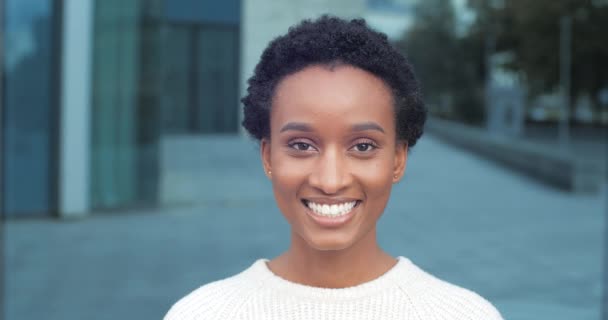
377	173
289	168
377	187
287	176
377	181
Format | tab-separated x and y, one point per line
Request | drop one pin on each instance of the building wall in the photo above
29	107
160	67
200	66
115	93
75	119
117	82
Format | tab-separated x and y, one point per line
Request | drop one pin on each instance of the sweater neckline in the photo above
385	281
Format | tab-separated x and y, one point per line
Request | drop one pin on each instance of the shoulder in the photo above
432	297
215	300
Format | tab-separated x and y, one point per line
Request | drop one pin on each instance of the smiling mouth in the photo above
331	210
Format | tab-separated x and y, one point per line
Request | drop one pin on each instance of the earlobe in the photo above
265	155
400	161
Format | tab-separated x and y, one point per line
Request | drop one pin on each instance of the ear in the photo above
265	154
400	161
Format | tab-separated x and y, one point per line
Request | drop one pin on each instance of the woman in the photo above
335	109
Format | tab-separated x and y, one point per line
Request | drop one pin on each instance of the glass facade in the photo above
157	69
29	103
200	66
116	93
203	82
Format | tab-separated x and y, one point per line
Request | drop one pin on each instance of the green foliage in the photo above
453	65
450	67
530	30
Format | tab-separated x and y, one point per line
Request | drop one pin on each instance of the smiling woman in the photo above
332	146
335	109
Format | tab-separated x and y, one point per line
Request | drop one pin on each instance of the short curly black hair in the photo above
333	41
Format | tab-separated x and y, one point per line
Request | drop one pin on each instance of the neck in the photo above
362	262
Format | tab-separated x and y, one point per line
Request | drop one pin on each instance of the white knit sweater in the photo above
404	292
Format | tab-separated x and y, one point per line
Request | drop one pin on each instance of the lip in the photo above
330	201
329	222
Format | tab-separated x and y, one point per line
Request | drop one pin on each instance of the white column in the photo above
75	108
2	106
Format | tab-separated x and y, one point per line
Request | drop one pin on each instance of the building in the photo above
90	88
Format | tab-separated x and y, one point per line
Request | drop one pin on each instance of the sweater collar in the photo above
260	271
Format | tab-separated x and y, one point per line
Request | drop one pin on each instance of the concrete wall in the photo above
544	163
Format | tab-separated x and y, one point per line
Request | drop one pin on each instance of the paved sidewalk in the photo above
535	252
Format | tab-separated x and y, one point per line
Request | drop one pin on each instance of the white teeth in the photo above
334	210
325	209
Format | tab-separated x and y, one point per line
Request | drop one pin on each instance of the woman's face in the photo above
332	156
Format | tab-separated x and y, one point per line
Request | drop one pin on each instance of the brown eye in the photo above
301	146
364	147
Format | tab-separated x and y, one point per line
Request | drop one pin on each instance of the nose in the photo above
330	173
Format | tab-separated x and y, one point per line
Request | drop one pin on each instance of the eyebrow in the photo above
296	126
367	126
300	126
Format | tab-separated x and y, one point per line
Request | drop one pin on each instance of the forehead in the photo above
342	94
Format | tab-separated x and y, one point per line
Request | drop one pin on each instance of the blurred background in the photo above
126	180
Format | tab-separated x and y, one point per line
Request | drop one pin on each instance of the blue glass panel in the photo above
225	12
28	107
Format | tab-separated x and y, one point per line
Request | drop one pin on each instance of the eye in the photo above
365	147
301	146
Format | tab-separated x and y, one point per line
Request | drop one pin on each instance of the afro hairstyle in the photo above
331	41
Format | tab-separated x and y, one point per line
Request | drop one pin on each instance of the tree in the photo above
449	66
530	30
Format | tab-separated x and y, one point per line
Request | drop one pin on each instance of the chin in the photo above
329	242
